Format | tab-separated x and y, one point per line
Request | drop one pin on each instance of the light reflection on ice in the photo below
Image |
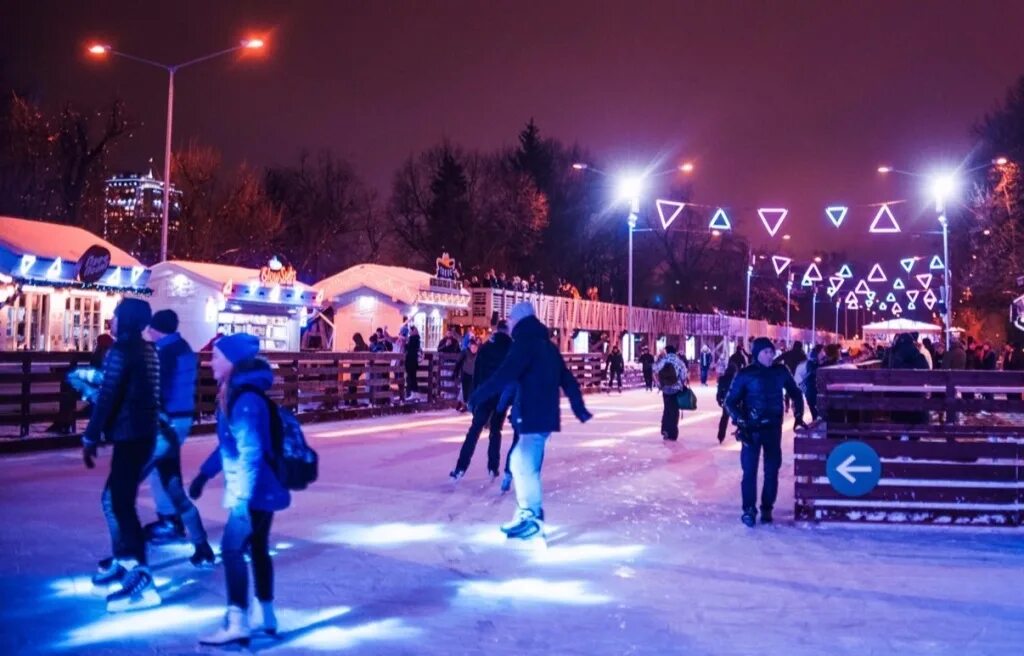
330	638
165	619
540	590
383	535
600	443
586	553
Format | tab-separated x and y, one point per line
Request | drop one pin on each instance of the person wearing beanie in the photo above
178	369
755	403
126	413
252	491
536	370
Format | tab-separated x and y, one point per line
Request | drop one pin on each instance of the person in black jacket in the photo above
126	412
535	365
412	361
737	361
706	358
616	367
488	359
178	369
755	403
647	364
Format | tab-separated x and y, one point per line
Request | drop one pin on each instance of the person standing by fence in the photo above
706	358
616	367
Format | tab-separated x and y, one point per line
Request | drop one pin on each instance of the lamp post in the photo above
789	326
101	50
746	320
814	309
942	188
836	333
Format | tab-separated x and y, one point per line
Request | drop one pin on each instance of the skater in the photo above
755	404
178	367
465	367
488	359
126	412
736	363
705	364
252	492
792	358
671	370
535	364
647	364
616	367
412	361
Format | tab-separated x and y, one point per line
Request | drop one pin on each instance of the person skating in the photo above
737	361
706	358
616	367
755	404
671	370
465	367
252	491
647	365
178	368
537	369
126	412
488	359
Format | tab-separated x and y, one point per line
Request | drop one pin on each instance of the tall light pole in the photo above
836	333
814	316
630	188
746	315
789	326
942	188
101	50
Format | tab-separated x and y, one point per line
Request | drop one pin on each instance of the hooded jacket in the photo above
244	442
537	368
127	407
756	394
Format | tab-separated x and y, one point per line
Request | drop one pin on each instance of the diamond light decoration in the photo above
676	210
778	214
929	299
780	263
884	221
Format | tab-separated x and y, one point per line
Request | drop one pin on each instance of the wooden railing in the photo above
951	445
315	386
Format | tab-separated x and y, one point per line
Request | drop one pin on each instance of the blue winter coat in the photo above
178	369
244	443
537	368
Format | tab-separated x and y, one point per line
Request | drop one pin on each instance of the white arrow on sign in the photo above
846	469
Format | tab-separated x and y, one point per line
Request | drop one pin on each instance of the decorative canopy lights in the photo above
912	295
887	221
852	302
780	263
720	221
936	263
862	287
835	282
836	214
896	309
877	275
882	306
778	214
811	276
898	284
908	263
911	307
677	209
891	297
845	272
930	299
925	279
869	302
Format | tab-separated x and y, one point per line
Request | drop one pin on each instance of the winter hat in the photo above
760	344
520	311
133	314
238	347
164	321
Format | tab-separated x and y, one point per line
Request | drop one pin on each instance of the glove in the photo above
195	489
89	452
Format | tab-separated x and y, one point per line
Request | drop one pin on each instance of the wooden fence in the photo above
951	445
34	399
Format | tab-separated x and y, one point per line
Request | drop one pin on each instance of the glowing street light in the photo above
580	166
787	237
885	169
687	167
102	50
1000	161
942	187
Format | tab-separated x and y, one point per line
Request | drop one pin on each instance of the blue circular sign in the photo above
853	469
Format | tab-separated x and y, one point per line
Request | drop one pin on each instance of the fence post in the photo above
26	393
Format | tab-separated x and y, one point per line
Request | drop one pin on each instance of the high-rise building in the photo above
134	212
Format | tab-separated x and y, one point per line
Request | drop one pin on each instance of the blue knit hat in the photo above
238	347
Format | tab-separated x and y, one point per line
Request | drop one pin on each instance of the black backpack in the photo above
293	461
668	376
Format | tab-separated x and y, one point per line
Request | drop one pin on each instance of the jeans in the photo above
648	380
670	417
251	531
412	383
525	462
164	470
486	414
615	378
508	458
768	439
467	387
704	375
127	469
723	424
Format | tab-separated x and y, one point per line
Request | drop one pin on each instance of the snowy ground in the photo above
385	556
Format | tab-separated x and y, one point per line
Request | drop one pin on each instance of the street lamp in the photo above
687	167
630	188
943	188
102	50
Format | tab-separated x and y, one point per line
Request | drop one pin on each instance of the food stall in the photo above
217	299
59	285
370	296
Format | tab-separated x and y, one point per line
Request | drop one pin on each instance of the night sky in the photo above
779	103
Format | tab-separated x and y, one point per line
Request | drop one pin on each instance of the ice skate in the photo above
456	474
109	572
203	556
766	516
234	631
264	620
749	518
138	592
506	482
167	529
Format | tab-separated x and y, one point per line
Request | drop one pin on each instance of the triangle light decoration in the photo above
877	275
677	209
720	221
862	287
780	216
811	275
925	279
912	295
780	263
898	284
936	263
890	226
845	272
908	263
836	214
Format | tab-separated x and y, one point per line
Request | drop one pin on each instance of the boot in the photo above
203	556
749	517
168	528
234	631
267	619
108	572
138	592
766	515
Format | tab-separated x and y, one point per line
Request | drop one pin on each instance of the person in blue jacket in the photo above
252	492
537	368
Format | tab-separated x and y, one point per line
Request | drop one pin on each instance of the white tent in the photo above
896	326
